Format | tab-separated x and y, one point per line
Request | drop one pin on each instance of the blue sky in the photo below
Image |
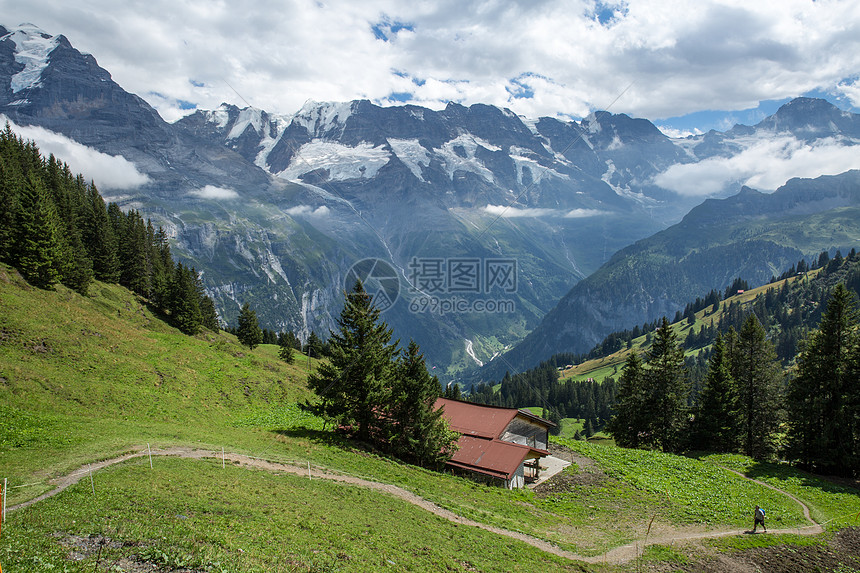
687	65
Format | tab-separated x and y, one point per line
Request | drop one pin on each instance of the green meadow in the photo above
84	379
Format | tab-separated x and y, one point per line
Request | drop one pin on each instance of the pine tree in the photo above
356	380
824	429
99	238
184	301
759	380
588	428
668	387
630	420
314	345
208	314
417	429
249	332
39	237
286	350
717	427
11	184
289	338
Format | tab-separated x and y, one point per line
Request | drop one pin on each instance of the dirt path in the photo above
620	554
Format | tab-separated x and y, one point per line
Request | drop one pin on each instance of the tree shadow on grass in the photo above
335	439
325	437
765	471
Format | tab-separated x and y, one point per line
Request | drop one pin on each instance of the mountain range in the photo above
280	210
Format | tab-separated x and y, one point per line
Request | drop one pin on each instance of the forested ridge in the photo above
777	374
56	228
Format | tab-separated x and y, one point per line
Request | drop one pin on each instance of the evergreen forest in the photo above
56	228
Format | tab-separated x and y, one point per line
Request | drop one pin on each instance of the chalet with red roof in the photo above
499	445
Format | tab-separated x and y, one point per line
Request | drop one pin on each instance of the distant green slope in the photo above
751	235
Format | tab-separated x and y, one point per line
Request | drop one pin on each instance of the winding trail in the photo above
616	555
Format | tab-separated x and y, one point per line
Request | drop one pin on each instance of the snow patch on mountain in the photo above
32	49
268	142
591	124
538	171
615	144
319	118
688	145
458	154
412	154
624	191
531	124
341	161
220	116
248	116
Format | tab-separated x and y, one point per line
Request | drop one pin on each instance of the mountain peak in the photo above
806	105
33	47
811	117
320	117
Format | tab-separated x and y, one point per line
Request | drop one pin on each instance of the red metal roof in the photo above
476	419
481	420
480	427
492	457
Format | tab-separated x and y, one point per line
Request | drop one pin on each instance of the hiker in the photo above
758	514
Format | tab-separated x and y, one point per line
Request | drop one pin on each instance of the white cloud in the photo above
307	211
538	58
678	133
108	171
765	163
514	212
851	90
215	193
582	213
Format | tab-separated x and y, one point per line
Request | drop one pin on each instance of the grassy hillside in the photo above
611	365
86	378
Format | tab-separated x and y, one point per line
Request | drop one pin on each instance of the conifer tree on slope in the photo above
100	239
417	430
629	422
668	387
355	383
717	427
38	241
184	301
286	351
249	332
824	430
759	380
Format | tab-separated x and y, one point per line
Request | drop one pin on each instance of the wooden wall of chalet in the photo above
525	432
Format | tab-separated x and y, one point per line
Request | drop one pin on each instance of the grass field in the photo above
87	378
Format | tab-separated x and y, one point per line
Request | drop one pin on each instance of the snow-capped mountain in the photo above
275	209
